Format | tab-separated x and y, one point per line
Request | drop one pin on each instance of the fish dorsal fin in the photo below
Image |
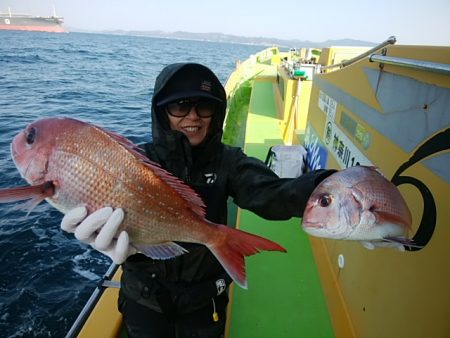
192	198
186	192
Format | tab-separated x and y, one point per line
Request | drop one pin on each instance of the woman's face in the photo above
195	123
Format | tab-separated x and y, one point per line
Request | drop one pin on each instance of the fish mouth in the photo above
315	225
23	168
15	156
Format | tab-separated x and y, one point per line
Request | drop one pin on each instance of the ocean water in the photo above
46	275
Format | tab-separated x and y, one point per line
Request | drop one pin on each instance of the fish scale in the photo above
102	167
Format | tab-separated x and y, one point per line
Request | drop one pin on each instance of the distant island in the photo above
220	37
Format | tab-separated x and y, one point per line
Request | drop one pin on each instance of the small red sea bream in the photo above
71	163
359	203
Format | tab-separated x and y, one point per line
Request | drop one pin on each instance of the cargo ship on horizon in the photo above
25	22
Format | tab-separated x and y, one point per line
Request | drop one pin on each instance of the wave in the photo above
46	275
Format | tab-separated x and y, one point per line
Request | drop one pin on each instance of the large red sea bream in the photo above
71	163
359	203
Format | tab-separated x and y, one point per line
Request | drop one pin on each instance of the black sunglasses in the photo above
181	108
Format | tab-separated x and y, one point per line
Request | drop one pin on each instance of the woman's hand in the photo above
100	230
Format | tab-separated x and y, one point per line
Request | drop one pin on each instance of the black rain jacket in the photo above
215	171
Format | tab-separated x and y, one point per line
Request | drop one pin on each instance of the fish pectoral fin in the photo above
371	245
390	242
368	217
29	205
164	250
35	194
402	241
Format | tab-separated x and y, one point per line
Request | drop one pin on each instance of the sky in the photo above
411	21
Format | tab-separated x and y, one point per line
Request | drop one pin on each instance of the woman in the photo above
178	297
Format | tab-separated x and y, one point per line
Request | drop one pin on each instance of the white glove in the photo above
99	229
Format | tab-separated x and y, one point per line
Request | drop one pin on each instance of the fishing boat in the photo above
387	106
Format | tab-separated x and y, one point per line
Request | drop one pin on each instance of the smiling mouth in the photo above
191	129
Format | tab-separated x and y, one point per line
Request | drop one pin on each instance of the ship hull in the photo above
39	24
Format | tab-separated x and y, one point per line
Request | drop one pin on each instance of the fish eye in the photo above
324	201
31	136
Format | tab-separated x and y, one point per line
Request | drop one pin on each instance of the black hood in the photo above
182	80
168	87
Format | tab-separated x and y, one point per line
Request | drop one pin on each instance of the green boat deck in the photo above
284	296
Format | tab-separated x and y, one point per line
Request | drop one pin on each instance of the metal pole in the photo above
441	68
390	41
89	306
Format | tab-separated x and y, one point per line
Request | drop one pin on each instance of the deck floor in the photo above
284	296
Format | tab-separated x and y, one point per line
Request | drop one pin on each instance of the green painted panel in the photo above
284	296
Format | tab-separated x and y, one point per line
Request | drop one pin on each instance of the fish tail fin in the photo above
231	250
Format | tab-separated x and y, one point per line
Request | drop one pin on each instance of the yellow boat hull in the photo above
397	118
